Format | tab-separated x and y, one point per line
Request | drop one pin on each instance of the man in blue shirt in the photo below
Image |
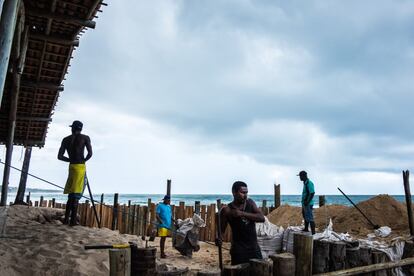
164	216
307	201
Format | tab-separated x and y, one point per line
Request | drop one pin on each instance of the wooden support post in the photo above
261	267
303	250
197	207
115	213
7	27
406	175
23	176
408	253
337	256
236	270
218	204
320	256
15	88
28	198
120	262
264	207
321	200
283	264
379	257
53	202
353	257
169	187
101	210
181	210
41	201
277	195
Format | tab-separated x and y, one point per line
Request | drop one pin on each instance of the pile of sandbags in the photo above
269	238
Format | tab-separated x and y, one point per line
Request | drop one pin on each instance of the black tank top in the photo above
243	230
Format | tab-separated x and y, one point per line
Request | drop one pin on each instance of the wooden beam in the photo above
55	39
93	8
49	21
7	26
63	18
44	85
369	268
28	118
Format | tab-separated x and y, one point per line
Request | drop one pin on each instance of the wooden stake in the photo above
321	200
320	256
261	267
236	270
120	262
115	213
337	256
277	195
406	180
303	250
169	187
283	264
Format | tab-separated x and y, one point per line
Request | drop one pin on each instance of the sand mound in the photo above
37	243
287	215
382	210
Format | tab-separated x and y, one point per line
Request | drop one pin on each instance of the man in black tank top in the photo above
242	215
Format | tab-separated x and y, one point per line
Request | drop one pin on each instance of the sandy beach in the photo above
35	242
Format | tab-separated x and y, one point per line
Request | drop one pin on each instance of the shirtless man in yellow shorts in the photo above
75	145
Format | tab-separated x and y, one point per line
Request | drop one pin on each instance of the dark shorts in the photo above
241	254
307	212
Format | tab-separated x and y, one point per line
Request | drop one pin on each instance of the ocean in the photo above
189	199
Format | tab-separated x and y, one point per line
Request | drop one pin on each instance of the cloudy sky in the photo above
209	92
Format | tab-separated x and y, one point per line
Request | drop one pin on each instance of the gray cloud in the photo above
232	71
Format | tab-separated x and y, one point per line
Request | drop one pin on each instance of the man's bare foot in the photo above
163	256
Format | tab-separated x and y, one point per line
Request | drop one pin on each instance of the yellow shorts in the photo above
163	232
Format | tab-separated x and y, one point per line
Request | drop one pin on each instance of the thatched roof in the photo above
54	28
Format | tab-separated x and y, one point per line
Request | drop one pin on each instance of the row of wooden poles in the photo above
303	262
141	219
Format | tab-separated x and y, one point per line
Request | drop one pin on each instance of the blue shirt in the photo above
308	188
164	211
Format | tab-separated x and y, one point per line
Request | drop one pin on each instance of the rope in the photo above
109	206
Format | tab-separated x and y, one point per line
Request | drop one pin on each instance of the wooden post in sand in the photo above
41	201
169	187
303	250
379	257
264	207
408	253
283	264
277	195
236	270
53	202
115	213
218	204
119	262
101	209
406	175
321	200
28	198
320	256
197	207
337	256
261	267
